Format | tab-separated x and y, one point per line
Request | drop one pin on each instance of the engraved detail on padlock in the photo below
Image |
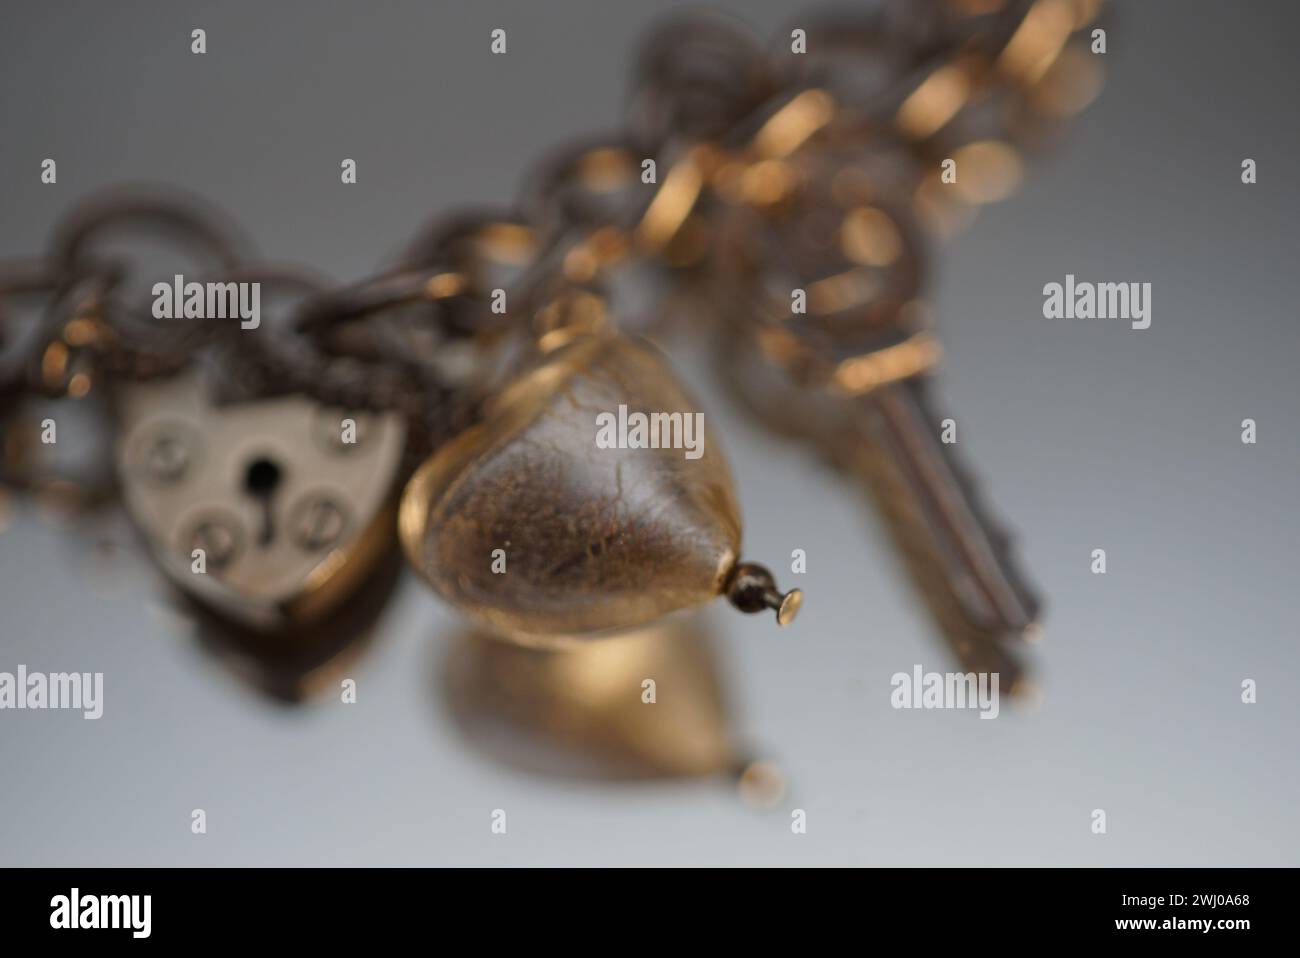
217	534
288	527
167	451
319	520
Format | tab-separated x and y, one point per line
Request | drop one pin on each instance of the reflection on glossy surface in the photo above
647	704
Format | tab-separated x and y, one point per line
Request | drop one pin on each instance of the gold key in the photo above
830	342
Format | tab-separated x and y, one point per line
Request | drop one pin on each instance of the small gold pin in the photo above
752	588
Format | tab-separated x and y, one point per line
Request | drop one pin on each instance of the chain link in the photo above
773	170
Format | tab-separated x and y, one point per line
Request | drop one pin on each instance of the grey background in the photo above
1089	434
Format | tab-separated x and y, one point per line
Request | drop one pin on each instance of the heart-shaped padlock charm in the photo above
270	513
571	509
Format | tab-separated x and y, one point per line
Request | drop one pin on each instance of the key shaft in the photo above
972	548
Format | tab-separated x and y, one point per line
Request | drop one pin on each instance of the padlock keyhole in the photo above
260	481
261	477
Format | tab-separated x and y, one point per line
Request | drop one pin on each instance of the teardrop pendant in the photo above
530	524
